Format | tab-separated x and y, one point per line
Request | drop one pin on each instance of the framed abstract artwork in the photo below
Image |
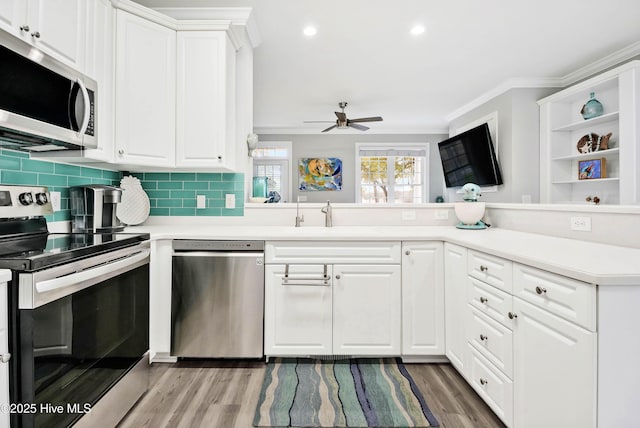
319	174
592	169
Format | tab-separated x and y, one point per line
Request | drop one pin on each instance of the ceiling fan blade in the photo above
342	116
330	128
356	126
367	119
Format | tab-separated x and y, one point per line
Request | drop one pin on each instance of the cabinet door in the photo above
59	28
4	349
145	92
13	15
204	125
455	304
366	310
554	370
297	315
422	299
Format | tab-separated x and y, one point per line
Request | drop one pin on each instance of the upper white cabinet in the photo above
423	299
145	92
205	106
56	27
564	177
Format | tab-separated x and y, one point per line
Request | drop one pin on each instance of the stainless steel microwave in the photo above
45	105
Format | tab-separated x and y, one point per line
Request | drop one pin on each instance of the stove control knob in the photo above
25	198
41	198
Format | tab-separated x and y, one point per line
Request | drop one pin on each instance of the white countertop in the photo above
586	261
5	275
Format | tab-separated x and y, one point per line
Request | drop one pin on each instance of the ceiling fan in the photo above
343	122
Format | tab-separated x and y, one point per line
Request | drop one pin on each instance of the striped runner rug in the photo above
342	393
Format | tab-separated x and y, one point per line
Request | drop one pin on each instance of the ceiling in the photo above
363	53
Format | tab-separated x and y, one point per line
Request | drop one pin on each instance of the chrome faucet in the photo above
328	219
299	218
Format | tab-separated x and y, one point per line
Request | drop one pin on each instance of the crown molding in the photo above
611	60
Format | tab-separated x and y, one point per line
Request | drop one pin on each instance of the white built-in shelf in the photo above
584	124
581	156
586	181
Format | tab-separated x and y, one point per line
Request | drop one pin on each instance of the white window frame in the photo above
392	146
285	162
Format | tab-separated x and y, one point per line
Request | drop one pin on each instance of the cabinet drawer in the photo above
568	298
490	269
493	340
492	385
490	301
360	252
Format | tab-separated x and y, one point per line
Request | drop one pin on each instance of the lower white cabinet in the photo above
555	370
423	299
455	303
366	310
298	315
4	354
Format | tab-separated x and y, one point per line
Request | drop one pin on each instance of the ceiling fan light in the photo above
310	31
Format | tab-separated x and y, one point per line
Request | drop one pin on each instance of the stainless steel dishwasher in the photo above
217	299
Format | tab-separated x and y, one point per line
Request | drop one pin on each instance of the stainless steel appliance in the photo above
78	316
217	306
44	104
93	208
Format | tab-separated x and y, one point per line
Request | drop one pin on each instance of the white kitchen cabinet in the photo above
145	92
4	354
555	370
298	313
57	28
455	303
366	310
206	97
423	298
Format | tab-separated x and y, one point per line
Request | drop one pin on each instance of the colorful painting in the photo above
592	169
320	174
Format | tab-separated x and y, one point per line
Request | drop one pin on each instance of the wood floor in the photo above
224	394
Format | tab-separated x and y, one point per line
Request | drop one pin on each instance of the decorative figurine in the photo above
593	143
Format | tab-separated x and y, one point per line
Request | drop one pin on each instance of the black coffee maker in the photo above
93	209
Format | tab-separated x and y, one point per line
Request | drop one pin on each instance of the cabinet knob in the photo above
408	253
25	28
219	157
541	290
483	300
120	151
483	381
5	357
338	276
483	268
512	315
35	34
483	337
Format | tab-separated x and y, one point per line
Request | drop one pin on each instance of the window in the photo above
392	174
272	159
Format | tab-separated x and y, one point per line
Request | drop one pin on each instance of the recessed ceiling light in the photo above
310	31
417	30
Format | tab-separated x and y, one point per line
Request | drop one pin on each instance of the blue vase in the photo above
592	108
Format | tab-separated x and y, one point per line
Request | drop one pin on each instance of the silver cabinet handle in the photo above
35	34
512	315
483	381
483	300
25	28
483	268
121	151
483	337
5	357
541	290
408	253
338	276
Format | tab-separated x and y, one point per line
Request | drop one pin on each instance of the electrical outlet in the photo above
229	200
408	215
55	200
201	202
302	198
582	224
441	214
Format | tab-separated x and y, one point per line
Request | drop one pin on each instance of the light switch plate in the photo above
582	224
55	200
408	215
229	200
441	215
201	202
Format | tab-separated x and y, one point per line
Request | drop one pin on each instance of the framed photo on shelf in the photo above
592	169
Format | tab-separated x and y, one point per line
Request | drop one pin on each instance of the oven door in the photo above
81	327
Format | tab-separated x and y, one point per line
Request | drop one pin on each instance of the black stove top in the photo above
51	249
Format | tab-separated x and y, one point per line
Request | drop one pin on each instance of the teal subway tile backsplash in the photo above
174	194
170	193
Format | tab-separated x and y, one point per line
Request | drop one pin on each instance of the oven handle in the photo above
42	292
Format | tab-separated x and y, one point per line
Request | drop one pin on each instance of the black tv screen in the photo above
469	157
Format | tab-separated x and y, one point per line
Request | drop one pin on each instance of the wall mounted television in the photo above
470	157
